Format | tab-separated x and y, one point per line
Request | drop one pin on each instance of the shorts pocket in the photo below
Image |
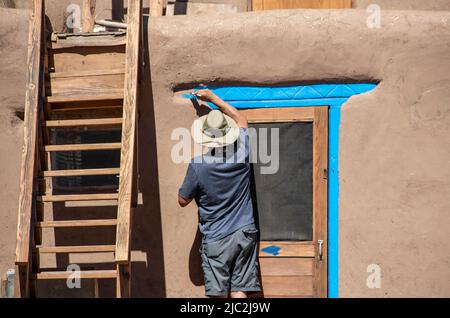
250	234
213	249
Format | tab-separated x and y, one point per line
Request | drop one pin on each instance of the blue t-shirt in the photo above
219	181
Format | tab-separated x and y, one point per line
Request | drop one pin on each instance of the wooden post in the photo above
123	282
28	171
156	8
127	161
88	16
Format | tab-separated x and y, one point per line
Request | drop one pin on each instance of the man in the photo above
219	181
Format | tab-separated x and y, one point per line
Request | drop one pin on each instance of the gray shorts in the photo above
230	263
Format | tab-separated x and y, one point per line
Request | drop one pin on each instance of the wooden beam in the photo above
88	18
83	274
112	95
29	149
76	223
156	8
257	5
76	249
124	213
83	122
78	197
22	281
83	147
123	281
80	172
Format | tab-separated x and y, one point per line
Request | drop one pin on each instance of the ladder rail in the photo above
127	160
28	174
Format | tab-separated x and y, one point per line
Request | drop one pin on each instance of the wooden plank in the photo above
287	266
83	147
76	249
320	195
87	73
124	216
91	108
83	274
78	197
31	116
80	41
87	21
89	85
156	8
301	4
80	172
287	114
76	223
281	286
288	249
258	5
90	59
83	122
112	95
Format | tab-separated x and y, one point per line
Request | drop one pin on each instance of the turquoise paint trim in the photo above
330	95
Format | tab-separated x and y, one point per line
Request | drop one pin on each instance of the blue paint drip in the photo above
272	249
330	95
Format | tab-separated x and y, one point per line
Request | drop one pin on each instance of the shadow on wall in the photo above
148	279
148	276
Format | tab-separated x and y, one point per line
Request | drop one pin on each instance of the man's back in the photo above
220	184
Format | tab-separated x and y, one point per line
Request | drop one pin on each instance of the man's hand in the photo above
208	96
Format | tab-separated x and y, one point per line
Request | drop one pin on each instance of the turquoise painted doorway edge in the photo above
329	95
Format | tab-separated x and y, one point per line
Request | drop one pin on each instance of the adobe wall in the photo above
394	144
394	141
13	55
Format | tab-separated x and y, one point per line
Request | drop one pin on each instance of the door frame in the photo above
318	116
330	95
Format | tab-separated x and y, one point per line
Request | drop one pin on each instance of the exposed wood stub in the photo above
88	16
156	8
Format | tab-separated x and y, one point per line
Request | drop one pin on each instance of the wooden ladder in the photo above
78	84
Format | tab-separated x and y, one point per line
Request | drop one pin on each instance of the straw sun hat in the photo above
215	130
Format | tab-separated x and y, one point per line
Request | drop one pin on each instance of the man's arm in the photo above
188	189
183	202
208	96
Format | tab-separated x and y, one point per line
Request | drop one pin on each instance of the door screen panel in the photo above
284	200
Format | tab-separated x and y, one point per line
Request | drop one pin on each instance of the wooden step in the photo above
83	122
78	197
76	249
76	223
83	98
80	172
69	274
83	147
87	73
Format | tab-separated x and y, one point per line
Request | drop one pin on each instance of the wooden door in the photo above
293	264
259	5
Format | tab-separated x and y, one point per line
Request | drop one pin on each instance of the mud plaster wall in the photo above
394	143
13	55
